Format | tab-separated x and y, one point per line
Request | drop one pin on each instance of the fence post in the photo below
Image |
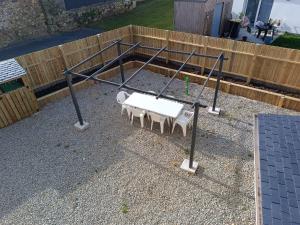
251	74
30	81
228	86
131	33
121	62
281	101
99	38
205	52
168	46
232	56
65	62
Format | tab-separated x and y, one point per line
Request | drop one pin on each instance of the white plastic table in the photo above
150	103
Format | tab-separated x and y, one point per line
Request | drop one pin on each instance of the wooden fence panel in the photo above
280	66
16	105
42	67
46	66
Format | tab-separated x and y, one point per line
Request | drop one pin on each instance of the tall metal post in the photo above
120	62
194	134
218	82
69	81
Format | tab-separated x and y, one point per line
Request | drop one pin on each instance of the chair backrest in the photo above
136	111
188	115
121	97
156	117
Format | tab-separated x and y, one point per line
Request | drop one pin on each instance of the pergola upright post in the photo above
80	125
121	62
189	164
213	109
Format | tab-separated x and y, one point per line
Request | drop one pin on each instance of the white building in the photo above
287	11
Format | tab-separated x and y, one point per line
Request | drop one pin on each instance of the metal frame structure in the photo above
195	104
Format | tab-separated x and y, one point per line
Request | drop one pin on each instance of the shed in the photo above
204	17
17	99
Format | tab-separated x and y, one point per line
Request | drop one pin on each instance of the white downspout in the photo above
257	12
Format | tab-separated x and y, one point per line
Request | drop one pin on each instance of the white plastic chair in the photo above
159	119
135	112
121	97
184	120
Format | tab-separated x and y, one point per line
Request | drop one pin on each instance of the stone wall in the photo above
19	19
27	19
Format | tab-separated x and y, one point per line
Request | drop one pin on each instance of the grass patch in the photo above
288	40
124	208
151	13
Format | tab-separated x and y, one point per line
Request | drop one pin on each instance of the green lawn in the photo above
288	41
152	13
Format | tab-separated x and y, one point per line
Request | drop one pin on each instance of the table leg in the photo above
266	32
258	33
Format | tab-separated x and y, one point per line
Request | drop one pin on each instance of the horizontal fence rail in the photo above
273	65
252	62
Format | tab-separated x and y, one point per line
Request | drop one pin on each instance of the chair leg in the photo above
122	110
151	124
131	119
162	126
128	112
174	124
184	130
142	120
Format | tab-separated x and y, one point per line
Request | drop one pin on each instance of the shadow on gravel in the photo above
46	152
192	181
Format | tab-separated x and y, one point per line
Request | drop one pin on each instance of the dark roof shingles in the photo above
279	147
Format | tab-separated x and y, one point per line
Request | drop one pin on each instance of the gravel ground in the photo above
115	173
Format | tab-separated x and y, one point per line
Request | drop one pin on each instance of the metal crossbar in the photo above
173	51
140	69
113	61
177	72
93	56
196	104
208	77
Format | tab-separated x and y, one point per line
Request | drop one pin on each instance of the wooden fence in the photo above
272	65
46	66
17	105
231	88
268	64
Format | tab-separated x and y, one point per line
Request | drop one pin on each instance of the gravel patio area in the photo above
116	173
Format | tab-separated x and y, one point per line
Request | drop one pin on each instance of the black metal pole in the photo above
69	81
93	56
218	82
141	68
194	134
137	89
207	79
177	72
112	62
121	62
173	51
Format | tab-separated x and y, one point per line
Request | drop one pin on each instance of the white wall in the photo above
237	7
288	11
